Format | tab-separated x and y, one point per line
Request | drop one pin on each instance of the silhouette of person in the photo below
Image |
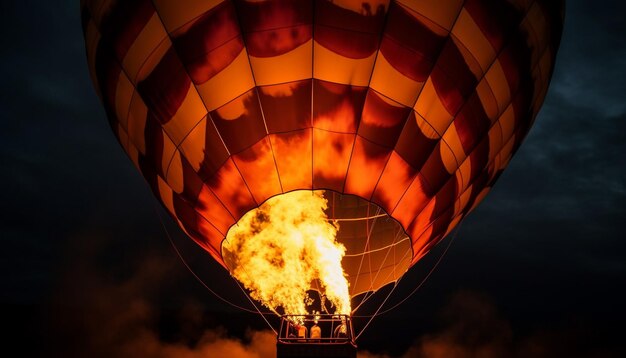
291	330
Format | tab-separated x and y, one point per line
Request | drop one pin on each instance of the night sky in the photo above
87	269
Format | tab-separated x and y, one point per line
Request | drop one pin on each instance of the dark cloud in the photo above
592	57
83	248
62	168
135	306
470	325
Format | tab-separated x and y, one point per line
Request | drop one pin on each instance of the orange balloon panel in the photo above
414	106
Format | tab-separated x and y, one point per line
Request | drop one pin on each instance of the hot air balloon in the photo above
401	114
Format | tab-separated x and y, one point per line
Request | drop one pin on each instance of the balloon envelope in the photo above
405	112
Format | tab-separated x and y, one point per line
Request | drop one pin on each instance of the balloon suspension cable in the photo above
257	308
370	294
452	238
375	313
180	256
368	233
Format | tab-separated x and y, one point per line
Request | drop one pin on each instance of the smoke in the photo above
214	343
138	308
472	327
135	304
366	354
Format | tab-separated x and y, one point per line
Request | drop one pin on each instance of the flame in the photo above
279	249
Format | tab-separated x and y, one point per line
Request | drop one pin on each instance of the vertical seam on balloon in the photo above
312	83
369	82
455	116
122	70
181	142
130	104
258	97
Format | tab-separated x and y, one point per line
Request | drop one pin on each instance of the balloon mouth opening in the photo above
377	249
